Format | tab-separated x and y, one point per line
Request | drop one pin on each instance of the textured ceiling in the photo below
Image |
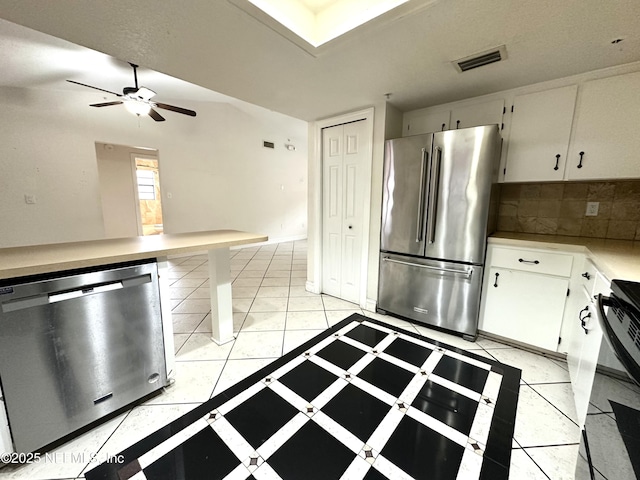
216	45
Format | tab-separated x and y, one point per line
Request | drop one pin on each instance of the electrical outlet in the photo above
592	209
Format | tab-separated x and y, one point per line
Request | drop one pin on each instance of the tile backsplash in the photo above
560	209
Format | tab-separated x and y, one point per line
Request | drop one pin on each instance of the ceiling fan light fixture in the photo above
137	100
137	108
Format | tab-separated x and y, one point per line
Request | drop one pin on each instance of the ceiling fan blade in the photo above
184	111
156	116
95	88
106	104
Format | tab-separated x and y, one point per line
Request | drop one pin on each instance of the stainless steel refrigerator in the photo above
439	204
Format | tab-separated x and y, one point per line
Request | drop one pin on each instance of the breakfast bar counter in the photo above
58	257
37	259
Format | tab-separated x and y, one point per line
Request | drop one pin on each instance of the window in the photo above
146	185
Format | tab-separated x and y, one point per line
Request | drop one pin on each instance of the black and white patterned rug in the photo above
362	400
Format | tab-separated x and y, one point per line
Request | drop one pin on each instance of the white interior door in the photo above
344	153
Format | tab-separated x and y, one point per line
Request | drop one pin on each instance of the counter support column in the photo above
220	292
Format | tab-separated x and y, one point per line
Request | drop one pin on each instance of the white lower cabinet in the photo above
584	349
547	298
526	307
525	292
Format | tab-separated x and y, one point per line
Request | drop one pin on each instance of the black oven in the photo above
610	446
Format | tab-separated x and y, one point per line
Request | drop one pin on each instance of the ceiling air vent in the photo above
480	59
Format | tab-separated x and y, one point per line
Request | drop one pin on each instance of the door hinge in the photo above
504	110
568	292
502	127
559	340
504	171
512	108
408	126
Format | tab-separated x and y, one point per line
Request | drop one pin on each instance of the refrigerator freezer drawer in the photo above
442	294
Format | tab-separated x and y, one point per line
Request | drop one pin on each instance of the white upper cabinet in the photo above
539	137
425	121
429	120
477	114
589	130
606	139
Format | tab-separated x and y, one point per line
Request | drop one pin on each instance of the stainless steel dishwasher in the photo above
76	346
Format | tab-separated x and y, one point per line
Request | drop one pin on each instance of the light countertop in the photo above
31	260
614	258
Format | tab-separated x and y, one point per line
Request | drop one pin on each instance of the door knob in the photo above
350	227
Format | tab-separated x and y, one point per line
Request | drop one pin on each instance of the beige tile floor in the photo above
273	313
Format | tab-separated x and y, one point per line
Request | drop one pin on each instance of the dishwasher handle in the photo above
83	291
86	290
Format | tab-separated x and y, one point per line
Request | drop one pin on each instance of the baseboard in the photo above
311	287
522	346
370	305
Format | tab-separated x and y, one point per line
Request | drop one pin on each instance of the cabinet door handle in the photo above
586	275
557	162
457	124
443	125
535	262
581	155
583	319
495	283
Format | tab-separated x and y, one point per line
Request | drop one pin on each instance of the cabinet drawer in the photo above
532	261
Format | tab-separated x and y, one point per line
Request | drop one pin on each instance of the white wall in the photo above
214	166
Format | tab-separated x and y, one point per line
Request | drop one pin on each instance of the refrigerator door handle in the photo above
425	157
434	183
466	273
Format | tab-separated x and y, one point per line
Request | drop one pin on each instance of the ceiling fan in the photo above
138	100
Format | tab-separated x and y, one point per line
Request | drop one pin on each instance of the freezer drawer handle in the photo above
466	273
